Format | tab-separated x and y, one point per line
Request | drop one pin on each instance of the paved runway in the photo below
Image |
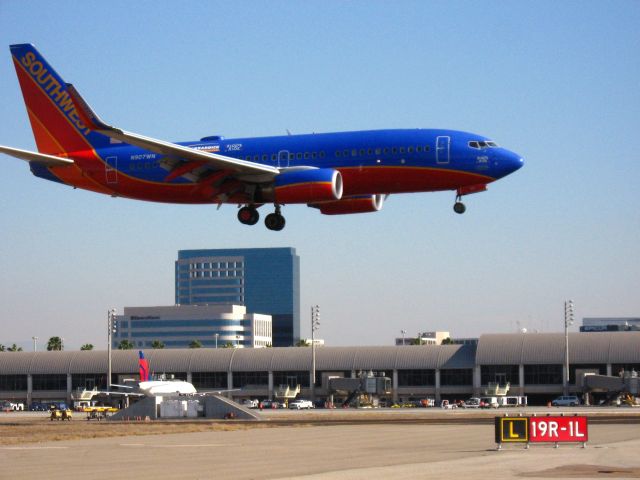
383	451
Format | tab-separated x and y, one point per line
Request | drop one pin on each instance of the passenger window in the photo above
354	153
362	152
292	156
410	150
386	151
306	154
274	157
322	154
401	149
265	157
370	151
248	157
345	153
419	149
394	150
299	155
313	154
378	151
338	153
426	148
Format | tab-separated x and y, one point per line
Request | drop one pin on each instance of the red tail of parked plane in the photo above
143	365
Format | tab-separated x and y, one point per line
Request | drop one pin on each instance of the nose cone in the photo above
508	162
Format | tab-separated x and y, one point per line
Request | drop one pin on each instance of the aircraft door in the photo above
111	170
442	149
283	159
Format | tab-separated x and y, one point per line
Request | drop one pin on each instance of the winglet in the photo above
85	112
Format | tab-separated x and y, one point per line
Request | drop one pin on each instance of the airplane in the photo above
148	387
337	173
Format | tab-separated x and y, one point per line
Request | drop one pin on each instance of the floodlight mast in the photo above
568	321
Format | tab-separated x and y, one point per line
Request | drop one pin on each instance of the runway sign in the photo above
558	429
512	429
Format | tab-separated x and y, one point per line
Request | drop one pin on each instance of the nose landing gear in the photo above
459	207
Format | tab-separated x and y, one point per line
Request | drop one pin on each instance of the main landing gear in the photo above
459	207
275	221
248	215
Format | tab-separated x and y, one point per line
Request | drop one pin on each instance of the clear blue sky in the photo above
557	82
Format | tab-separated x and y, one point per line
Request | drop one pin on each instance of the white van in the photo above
566	401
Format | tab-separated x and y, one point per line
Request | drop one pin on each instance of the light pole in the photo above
568	320
111	329
315	324
35	343
217	335
403	332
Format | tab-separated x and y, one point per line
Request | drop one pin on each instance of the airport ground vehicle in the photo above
446	404
38	407
5	406
473	402
489	402
249	403
300	404
57	414
566	401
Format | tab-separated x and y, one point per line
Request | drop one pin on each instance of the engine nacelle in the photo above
365	204
306	186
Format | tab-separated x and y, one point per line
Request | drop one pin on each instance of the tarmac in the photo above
353	450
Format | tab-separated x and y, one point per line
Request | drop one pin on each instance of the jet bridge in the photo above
364	390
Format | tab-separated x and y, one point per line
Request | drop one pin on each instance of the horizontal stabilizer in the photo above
41	158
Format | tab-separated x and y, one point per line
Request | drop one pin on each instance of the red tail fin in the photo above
56	124
143	364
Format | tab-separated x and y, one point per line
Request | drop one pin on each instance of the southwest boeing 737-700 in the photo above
337	173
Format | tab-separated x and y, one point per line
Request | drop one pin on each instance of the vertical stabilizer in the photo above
143	365
56	124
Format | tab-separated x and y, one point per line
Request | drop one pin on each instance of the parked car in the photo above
271	404
5	406
300	404
566	401
471	403
38	407
446	404
249	403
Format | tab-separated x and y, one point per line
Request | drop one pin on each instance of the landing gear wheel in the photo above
274	221
459	207
248	215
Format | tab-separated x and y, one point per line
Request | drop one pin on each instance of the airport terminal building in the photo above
532	363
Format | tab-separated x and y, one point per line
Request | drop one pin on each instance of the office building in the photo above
610	324
178	326
265	280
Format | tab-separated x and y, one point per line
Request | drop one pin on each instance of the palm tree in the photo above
14	348
2	348
228	345
55	343
157	344
87	346
447	341
195	344
125	345
302	343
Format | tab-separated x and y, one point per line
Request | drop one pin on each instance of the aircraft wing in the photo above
41	158
219	162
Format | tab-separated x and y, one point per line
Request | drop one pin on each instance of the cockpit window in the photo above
482	144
